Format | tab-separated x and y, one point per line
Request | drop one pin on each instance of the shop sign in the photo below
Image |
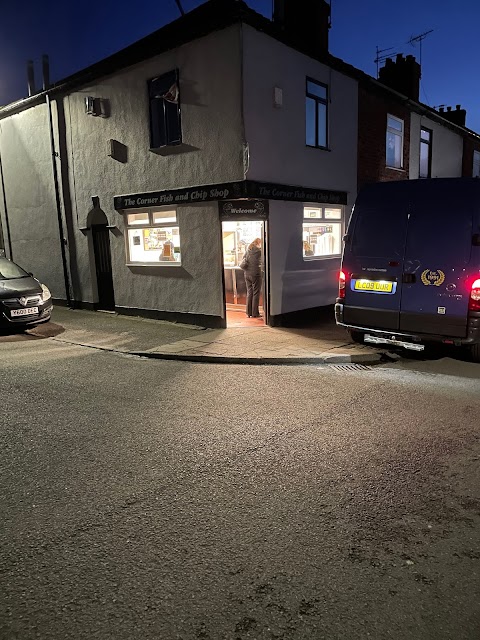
174	197
246	189
273	191
244	209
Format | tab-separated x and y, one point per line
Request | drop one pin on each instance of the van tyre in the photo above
475	352
357	336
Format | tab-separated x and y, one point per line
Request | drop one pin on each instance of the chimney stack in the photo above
305	23
457	116
403	76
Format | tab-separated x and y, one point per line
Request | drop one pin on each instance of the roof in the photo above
209	17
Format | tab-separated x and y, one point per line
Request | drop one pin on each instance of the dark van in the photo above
411	264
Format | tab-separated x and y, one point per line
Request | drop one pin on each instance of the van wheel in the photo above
357	336
475	352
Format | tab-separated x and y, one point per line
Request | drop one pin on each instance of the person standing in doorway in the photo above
252	267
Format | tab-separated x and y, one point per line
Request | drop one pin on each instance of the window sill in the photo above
153	264
173	149
314	258
399	169
314	146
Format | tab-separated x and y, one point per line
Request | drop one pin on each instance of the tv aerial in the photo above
180	8
420	38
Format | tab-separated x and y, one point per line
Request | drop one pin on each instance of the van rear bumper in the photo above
472	336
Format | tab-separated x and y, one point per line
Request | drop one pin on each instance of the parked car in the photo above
24	301
411	264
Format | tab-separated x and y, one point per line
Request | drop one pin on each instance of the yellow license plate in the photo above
374	285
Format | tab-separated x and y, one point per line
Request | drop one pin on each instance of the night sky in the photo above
76	34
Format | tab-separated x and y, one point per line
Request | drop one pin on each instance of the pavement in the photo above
323	343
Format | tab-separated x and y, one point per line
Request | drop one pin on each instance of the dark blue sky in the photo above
76	34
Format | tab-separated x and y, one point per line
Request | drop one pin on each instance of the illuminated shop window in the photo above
152	239
322	232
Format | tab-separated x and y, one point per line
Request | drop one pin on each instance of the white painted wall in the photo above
447	149
278	153
30	196
295	283
276	136
210	92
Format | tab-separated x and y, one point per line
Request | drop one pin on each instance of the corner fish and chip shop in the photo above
193	240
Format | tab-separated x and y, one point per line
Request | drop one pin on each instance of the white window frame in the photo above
396	132
150	225
322	221
476	164
428	144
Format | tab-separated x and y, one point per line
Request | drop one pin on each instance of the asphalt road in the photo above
143	499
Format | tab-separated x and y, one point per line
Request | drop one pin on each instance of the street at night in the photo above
161	500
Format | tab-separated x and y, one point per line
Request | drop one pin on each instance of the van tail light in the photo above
342	280
474	303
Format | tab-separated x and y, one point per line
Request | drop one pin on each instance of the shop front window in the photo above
152	239
322	232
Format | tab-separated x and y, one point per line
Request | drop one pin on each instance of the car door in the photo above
438	251
373	258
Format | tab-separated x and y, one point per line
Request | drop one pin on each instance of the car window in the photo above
9	270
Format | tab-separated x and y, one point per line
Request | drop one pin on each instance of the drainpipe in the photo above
2	186
61	231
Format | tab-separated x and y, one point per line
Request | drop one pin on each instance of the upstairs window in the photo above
164	99
394	156
425	153
316	112
476	164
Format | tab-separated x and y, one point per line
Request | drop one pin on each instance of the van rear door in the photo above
437	256
373	258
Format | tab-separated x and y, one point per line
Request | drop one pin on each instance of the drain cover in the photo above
347	368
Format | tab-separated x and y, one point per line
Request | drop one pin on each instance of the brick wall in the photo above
373	107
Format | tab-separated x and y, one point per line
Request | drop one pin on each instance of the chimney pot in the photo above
457	107
399	57
449	108
31	78
441	109
45	72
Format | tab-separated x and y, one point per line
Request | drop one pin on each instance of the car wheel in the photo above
357	336
475	352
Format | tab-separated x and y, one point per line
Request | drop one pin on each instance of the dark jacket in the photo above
253	260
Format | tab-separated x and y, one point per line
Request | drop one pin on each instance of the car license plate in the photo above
30	311
374	286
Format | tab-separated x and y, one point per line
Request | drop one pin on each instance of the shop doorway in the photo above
236	237
103	267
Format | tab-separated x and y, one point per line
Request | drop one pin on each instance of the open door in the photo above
236	237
